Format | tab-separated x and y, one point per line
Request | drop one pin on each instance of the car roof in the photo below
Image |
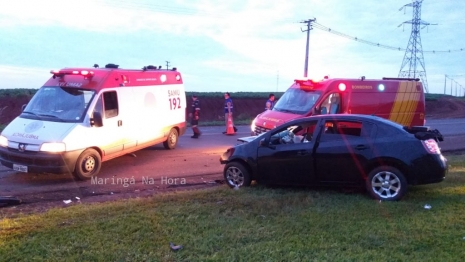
352	117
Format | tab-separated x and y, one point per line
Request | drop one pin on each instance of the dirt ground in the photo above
247	108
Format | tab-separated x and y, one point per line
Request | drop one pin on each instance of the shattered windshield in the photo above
59	104
296	101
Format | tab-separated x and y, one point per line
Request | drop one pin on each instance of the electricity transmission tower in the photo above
413	65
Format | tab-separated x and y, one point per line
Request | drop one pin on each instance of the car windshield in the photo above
296	101
58	104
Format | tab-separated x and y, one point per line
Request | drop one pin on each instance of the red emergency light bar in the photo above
306	84
61	73
301	81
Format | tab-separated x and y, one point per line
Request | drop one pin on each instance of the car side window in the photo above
295	134
331	105
343	129
349	128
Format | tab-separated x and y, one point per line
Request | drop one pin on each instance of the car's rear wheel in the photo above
386	183
172	139
236	175
88	164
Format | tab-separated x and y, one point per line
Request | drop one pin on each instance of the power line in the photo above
332	31
194	12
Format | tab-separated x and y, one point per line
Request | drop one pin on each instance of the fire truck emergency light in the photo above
342	87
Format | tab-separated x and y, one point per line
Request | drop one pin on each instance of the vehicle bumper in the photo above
40	162
432	169
182	129
224	158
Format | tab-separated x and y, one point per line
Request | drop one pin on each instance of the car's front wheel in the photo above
386	183
236	175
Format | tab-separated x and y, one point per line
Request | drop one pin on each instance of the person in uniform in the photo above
228	110
194	115
270	102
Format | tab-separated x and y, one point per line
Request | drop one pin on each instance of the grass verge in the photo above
253	224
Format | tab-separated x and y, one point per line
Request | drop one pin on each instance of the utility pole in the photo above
445	79
309	27
167	64
451	80
277	80
414	51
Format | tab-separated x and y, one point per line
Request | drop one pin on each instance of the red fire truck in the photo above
398	99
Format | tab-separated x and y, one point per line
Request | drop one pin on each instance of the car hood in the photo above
23	130
272	118
247	139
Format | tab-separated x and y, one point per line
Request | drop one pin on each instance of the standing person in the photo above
194	115
228	110
270	102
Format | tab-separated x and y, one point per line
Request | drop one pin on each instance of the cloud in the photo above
248	38
23	77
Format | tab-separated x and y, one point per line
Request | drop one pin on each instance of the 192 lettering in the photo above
175	102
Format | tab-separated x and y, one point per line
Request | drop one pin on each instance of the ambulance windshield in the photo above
297	101
58	104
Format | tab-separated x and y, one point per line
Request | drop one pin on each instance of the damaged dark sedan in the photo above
339	150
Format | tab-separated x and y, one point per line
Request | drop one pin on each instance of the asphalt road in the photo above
194	163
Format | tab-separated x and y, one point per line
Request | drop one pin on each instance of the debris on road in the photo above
427	206
175	247
9	200
69	201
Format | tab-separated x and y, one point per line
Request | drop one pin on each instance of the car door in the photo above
344	148
287	163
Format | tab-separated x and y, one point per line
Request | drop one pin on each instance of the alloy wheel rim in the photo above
172	139
234	176
386	184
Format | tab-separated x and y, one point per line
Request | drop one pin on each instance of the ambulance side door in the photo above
110	135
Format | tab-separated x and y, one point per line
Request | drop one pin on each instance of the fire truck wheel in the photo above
88	164
172	139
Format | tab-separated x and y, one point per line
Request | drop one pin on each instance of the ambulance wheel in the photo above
88	164
172	139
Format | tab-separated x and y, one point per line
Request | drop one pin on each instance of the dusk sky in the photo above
233	46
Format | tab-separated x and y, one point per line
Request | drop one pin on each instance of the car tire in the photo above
236	175
386	183
172	139
88	164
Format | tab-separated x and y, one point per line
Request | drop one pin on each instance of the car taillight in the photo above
431	146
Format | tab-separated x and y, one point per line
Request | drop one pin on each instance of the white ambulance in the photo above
82	117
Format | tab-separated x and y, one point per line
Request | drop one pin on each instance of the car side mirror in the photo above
96	120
